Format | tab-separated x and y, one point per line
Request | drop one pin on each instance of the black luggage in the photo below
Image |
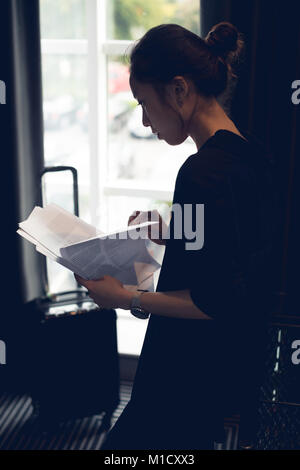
74	365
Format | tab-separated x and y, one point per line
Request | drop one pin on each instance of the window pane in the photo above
66	118
65	75
134	153
129	19
58	189
63	19
66	142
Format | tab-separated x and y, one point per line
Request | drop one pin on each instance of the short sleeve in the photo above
217	284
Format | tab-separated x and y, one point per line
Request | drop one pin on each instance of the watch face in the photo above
139	313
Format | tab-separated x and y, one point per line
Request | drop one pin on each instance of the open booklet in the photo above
89	252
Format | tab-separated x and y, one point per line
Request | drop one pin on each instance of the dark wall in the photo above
21	150
262	105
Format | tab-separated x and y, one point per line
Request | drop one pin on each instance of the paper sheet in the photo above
88	251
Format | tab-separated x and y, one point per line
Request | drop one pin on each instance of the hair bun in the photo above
224	40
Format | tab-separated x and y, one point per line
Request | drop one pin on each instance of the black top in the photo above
195	372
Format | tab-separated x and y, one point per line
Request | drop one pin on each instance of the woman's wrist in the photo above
125	299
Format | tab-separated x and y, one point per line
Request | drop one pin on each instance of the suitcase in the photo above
74	363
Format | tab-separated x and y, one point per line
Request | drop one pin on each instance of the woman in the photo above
198	360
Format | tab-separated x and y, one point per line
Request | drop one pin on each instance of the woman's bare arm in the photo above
108	292
174	304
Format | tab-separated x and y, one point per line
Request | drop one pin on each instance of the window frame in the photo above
98	49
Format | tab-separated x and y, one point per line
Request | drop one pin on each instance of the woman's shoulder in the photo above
224	154
208	167
224	157
208	159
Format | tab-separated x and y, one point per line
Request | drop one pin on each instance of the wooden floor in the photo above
19	428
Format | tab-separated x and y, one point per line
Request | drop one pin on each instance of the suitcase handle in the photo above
54	169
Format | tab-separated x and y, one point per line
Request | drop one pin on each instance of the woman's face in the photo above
162	117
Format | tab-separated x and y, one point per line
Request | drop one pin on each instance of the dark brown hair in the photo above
168	50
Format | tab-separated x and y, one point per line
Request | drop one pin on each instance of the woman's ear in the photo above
181	89
179	99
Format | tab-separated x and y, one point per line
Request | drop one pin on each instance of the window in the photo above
91	120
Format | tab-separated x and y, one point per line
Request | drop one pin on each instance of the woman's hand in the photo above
107	292
155	233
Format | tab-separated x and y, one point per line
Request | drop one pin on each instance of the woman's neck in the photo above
207	118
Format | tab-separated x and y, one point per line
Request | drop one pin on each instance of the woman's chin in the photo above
176	141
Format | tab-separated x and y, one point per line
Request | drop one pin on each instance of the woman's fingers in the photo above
154	232
133	216
145	216
87	283
80	280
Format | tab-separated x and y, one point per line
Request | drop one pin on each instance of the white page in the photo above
128	260
86	250
87	228
59	260
28	237
121	233
34	241
54	227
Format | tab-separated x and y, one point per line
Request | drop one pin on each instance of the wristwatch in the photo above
136	309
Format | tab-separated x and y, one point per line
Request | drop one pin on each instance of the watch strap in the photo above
135	302
136	308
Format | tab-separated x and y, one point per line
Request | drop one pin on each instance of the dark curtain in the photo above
262	105
21	163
